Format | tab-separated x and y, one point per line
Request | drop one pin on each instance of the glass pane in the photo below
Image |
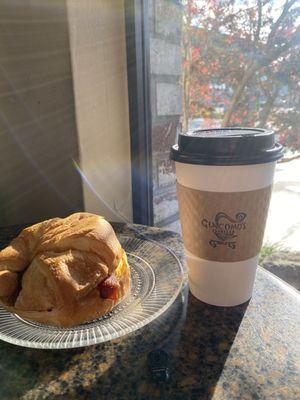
226	63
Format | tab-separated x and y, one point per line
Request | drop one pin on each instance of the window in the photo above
225	63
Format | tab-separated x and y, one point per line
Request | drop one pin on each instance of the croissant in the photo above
64	271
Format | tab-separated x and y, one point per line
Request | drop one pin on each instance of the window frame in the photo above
138	75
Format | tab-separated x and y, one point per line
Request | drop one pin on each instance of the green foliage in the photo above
268	249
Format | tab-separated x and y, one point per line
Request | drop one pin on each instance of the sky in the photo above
277	6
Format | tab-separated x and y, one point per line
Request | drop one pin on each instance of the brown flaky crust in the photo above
51	272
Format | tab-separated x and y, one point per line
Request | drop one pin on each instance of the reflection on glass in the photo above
235	63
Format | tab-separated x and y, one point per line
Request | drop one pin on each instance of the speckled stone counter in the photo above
245	352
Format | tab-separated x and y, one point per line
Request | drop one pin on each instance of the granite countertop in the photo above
245	352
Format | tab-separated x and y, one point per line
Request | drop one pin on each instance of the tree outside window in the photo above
241	66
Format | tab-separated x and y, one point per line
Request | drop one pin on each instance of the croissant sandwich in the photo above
64	272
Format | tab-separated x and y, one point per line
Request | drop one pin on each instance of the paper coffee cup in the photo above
224	183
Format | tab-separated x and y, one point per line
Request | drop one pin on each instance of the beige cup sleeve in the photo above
224	227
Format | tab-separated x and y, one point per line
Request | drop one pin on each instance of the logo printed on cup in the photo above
225	228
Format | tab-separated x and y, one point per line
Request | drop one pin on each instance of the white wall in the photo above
98	53
38	139
63	98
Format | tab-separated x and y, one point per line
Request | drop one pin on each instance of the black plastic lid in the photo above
227	146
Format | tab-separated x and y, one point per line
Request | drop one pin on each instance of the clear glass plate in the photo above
156	280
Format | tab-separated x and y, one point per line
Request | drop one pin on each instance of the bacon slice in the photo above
109	288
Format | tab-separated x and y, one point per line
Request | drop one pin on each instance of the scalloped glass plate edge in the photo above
113	335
